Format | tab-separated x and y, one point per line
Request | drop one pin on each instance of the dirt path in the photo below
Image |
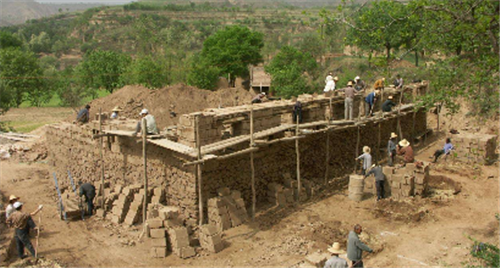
439	237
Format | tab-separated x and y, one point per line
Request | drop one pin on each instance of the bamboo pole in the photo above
37	249
297	151
254	195
145	164
101	156
198	170
357	152
327	166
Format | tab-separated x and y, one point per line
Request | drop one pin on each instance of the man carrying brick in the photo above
379	179
335	261
355	247
88	190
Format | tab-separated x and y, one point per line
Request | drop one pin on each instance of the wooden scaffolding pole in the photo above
379	155
327	160
145	165
297	151
101	157
254	197
198	170
400	132
357	151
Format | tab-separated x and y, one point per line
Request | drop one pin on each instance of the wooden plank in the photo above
145	165
252	167
175	146
198	170
244	151
125	133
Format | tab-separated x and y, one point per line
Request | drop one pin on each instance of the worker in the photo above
115	111
330	83
359	84
335	261
349	100
370	102
22	223
379	84
151	128
297	112
367	159
391	149
377	171
10	207
388	104
88	190
259	98
398	83
446	150
406	151
83	115
355	247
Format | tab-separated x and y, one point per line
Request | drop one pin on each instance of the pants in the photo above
391	158
295	114
90	204
368	108
437	154
380	189
348	109
363	171
23	241
357	263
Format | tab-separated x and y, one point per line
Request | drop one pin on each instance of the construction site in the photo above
247	184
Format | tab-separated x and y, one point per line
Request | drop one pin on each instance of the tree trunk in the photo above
416	58
388	48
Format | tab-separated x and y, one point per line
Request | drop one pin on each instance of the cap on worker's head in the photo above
383	78
13	197
349	83
18	205
356	78
366	149
335	248
393	135
87	106
374	165
336	78
263	93
117	109
390	97
404	143
330	73
144	111
377	91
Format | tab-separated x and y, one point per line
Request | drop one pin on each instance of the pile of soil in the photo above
167	104
405	211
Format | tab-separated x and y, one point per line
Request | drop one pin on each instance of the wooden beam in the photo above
145	165
198	170
327	166
297	151
101	157
357	151
252	167
264	143
244	151
101	135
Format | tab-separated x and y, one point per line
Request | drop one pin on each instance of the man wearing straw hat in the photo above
367	159
355	247
388	104
406	151
335	261
391	149
348	102
115	111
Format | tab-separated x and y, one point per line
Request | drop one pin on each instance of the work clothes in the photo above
83	116
9	210
114	115
446	150
380	189
357	264
22	223
367	160
379	84
88	190
398	83
407	153
387	105
330	84
355	247
348	106
297	112
369	101
257	99
360	85
379	180
391	152
150	125
336	262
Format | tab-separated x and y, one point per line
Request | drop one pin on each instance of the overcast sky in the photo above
85	1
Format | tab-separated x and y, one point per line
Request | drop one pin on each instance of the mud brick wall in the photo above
71	147
273	161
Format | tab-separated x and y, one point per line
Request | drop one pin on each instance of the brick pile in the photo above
279	195
122	204
158	238
478	148
408	181
317	259
179	242
211	238
227	210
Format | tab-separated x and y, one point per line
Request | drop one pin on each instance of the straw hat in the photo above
335	249
404	143
391	97
393	135
13	197
116	109
336	78
349	83
366	149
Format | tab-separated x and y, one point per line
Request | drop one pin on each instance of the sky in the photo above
84	1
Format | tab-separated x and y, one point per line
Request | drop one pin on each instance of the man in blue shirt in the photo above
446	150
83	115
370	101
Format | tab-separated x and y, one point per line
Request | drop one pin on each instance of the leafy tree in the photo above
68	89
148	72
6	97
203	75
289	55
21	75
232	50
9	40
103	69
40	43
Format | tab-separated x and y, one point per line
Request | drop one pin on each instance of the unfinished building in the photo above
221	143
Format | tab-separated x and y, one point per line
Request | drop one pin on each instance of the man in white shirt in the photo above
150	124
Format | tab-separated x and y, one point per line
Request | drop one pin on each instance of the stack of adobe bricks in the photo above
122	204
408	181
210	238
227	210
279	195
158	238
179	241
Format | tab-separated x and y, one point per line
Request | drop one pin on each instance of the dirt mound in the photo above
167	104
30	262
404	211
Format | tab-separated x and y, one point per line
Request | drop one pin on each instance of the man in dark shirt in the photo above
388	104
88	190
22	222
83	115
379	180
297	112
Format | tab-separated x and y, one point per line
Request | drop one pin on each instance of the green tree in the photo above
6	97
103	69
232	50
68	88
22	75
148	72
203	75
9	40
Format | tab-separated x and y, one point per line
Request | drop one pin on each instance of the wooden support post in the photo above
327	160
379	155
357	151
413	126
400	132
254	195
145	165
331	112
297	151
198	170
101	157
438	111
